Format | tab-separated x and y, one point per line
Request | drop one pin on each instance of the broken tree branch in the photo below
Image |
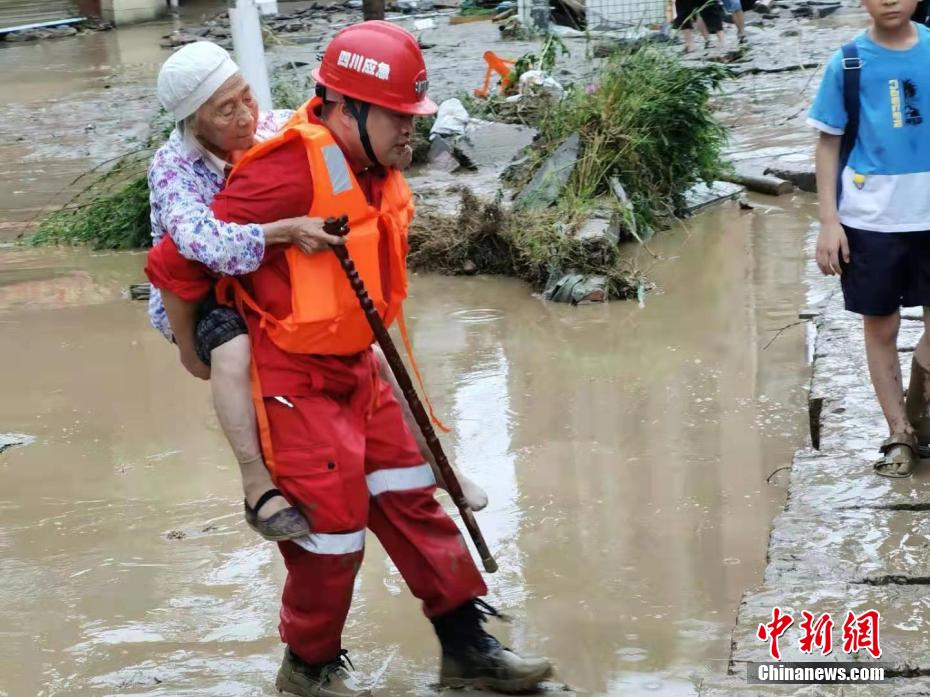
778	332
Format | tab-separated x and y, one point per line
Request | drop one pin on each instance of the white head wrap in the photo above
191	75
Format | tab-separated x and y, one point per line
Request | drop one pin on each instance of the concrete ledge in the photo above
905	642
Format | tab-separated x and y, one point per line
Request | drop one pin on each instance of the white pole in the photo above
246	30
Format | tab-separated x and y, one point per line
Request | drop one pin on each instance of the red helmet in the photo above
379	63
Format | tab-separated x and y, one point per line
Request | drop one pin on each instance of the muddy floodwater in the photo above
625	450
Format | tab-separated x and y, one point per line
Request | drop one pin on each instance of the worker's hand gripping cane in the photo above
340	228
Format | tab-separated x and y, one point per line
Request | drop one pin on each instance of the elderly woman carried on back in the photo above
217	120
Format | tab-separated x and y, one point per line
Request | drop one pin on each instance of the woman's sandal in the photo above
286	524
899	456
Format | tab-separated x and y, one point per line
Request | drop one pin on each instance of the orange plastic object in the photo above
496	64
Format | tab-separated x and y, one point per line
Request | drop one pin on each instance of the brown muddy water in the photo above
625	450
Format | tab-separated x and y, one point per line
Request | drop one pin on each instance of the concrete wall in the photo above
128	11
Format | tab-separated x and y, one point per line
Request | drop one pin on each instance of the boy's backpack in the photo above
852	68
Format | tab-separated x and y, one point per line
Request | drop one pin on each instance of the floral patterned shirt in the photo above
183	180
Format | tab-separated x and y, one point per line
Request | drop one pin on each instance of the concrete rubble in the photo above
475	159
551	177
54	32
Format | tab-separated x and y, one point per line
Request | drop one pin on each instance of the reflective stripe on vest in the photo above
337	168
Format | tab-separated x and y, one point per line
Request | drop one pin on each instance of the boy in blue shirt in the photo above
876	233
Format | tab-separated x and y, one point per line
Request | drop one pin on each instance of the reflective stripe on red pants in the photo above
349	461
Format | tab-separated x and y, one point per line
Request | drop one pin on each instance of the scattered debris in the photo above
451	119
802	176
576	289
8	440
442	156
768	67
457	141
701	196
501	66
762	184
512	28
602	225
139	291
412	6
488	238
175	535
468	19
540	81
54	30
815	9
39	34
181	38
490	144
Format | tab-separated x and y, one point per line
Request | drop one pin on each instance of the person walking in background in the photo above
709	17
735	9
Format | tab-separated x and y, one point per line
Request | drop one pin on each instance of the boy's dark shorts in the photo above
886	271
216	324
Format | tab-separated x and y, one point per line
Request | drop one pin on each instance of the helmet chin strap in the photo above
359	111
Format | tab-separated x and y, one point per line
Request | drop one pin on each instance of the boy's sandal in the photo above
899	455
286	524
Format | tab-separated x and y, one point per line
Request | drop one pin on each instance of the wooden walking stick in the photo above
339	228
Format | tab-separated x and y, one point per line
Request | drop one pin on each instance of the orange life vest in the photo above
326	317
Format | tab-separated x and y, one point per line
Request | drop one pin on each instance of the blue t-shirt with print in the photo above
885	184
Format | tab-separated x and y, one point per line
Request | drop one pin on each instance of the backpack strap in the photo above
852	70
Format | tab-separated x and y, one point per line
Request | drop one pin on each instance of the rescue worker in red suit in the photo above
333	433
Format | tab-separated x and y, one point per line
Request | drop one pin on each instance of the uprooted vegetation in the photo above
647	124
647	121
488	238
